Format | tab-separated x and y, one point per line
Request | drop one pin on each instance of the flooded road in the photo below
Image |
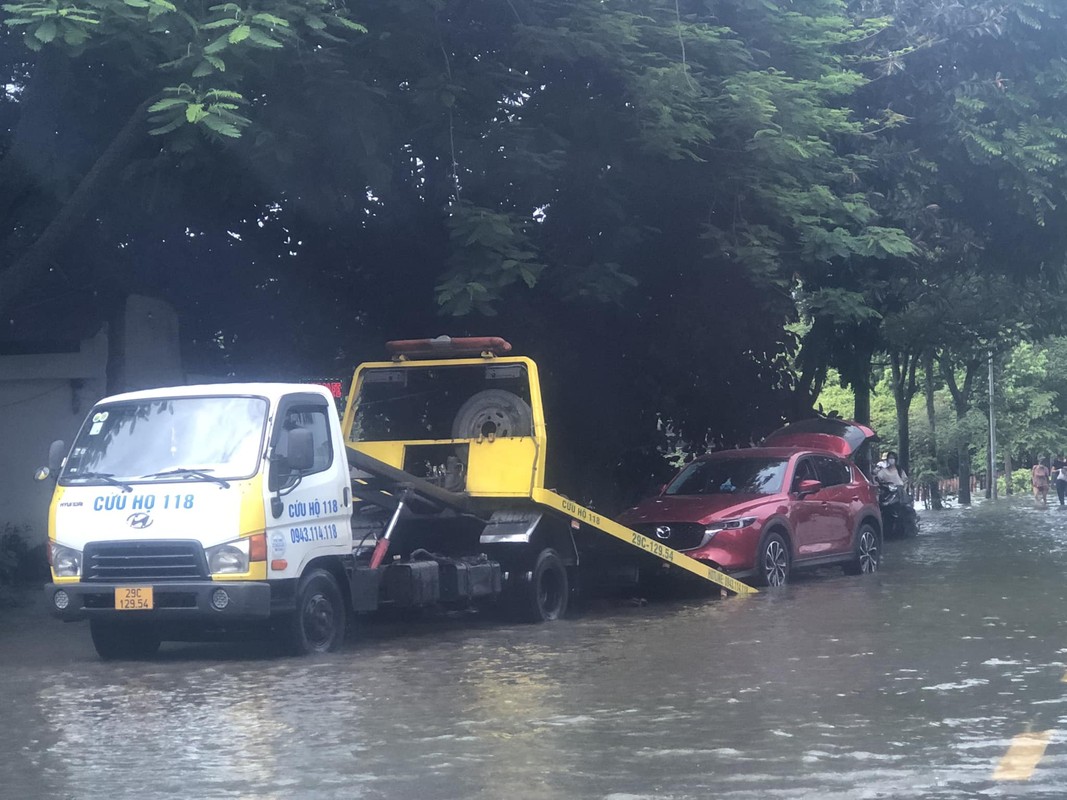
913	683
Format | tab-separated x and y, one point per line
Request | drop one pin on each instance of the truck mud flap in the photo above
635	539
365	585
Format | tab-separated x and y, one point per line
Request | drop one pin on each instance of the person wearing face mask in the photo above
889	472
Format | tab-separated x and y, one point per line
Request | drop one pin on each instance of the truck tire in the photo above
318	624
117	640
543	596
493	411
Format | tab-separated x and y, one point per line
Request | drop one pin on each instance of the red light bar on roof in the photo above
333	386
446	346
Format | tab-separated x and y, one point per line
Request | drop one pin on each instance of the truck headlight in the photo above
228	559
66	561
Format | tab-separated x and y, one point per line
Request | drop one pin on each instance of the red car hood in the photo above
691	508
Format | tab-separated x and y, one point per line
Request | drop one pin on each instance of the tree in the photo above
185	67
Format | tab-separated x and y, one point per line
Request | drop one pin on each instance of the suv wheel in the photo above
772	561
868	555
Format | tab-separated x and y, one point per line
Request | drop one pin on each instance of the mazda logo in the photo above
140	520
663	532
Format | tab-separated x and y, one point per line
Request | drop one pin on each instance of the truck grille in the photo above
682	536
124	562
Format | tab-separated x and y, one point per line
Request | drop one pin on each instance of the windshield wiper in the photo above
188	472
107	477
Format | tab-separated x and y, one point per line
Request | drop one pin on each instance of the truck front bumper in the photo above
190	601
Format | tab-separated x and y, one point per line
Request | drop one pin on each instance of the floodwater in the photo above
913	683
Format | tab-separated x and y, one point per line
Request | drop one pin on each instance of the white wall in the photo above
45	397
42	398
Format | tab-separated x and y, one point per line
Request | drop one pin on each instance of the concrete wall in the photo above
45	397
145	352
42	398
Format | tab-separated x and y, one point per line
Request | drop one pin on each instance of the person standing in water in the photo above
1039	475
1060	465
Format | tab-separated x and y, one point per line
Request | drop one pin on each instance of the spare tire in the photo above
493	412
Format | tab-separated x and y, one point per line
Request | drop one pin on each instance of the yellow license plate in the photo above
133	598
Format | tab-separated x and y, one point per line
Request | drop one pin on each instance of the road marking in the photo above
1021	759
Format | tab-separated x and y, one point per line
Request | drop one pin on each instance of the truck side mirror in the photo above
300	450
56	452
806	487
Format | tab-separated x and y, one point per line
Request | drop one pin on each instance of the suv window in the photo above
805	472
832	472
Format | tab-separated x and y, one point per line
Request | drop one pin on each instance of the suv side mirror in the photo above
809	486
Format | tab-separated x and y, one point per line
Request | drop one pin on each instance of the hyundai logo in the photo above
140	520
663	532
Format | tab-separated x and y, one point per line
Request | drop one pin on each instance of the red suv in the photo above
798	500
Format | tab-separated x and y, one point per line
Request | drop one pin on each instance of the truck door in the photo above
308	512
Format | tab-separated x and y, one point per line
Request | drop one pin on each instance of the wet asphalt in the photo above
916	682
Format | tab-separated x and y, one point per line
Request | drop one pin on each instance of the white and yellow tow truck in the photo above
212	511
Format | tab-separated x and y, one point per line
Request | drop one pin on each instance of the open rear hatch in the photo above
839	436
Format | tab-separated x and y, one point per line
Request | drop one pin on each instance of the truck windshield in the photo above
189	438
730	476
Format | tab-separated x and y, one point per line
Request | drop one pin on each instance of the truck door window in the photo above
314	419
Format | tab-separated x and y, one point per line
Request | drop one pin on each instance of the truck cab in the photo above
195	510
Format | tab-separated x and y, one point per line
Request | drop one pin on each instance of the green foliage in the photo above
191	42
1020	482
712	211
215	110
20	565
490	252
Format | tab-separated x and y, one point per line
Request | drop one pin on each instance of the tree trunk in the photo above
904	388
963	452
961	399
1008	489
35	261
860	381
931	418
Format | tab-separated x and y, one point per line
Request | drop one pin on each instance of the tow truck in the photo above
209	511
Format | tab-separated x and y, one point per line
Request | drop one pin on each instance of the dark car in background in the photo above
759	513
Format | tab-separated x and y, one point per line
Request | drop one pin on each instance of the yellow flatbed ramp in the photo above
673	557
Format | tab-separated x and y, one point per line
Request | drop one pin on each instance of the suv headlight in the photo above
228	559
66	561
728	525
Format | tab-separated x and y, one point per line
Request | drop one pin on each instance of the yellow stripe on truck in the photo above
632	537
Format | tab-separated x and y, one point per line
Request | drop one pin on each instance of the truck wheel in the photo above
114	640
318	625
544	596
